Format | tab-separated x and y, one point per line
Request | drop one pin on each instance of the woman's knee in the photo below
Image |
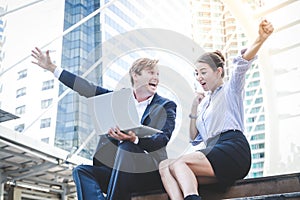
164	166
176	165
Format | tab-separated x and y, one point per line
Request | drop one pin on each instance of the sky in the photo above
36	25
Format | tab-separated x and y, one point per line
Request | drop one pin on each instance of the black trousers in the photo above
133	171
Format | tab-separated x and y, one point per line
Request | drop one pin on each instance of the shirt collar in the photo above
147	101
216	90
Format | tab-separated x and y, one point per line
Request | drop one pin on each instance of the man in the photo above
123	163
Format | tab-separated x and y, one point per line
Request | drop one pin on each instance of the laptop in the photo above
117	109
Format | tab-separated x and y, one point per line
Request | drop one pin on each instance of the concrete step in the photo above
285	186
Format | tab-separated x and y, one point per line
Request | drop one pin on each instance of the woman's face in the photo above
208	78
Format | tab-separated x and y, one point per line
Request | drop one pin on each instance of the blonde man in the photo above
137	157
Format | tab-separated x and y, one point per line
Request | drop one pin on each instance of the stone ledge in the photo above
287	185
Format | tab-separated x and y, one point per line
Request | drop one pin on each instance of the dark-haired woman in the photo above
217	119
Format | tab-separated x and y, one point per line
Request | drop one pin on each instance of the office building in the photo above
27	90
2	41
79	49
282	148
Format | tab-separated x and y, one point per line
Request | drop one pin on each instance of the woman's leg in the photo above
190	167
170	183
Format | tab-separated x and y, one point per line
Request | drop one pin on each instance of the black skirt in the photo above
230	156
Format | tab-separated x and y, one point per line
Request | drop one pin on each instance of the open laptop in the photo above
117	109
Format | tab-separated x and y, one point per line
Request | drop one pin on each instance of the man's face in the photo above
147	81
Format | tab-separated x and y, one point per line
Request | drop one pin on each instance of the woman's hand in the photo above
198	98
43	60
265	29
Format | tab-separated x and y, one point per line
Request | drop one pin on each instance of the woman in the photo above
216	119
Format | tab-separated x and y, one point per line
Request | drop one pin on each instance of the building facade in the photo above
79	49
282	88
26	90
2	42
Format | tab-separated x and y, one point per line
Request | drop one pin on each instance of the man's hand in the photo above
118	135
43	60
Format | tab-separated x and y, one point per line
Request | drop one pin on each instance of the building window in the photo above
259	127
250	93
261	118
20	110
19	127
254	83
259	100
258	137
21	92
258	155
45	123
48	85
251	119
255	110
258	146
46	140
258	165
257	174
46	103
22	74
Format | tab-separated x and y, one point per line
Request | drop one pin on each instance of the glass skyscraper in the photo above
80	49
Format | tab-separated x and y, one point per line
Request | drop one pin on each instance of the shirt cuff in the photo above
57	72
136	141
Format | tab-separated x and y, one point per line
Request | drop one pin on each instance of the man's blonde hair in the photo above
139	65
